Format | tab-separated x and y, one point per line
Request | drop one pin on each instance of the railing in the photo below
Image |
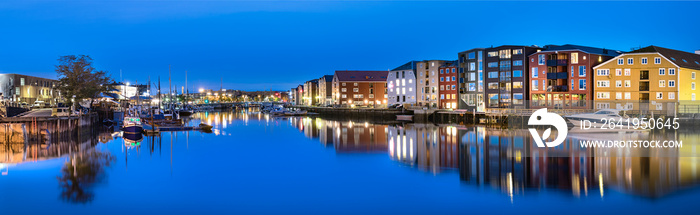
560	88
557	75
561	62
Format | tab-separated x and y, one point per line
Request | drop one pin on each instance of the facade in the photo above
471	80
427	83
298	97
506	78
561	76
292	95
448	85
28	89
650	78
402	84
360	88
325	90
310	94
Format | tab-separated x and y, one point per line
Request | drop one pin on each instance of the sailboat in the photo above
186	110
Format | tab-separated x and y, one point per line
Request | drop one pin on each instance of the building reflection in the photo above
509	161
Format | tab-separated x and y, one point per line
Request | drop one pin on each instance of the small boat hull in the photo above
134	129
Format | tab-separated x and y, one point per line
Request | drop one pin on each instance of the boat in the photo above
296	113
132	140
168	114
185	112
404	117
132	125
205	127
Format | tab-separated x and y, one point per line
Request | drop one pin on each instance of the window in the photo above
603	72
442	79
535	85
472	66
21	81
504	53
628	83
572	71
574	57
441	71
518	63
659	95
540	59
644	60
627	72
618	72
493	74
628	95
692	86
620	61
603	95
692	75
534	72
603	83
454	87
356	89
671	95
453	78
492	64
671	83
662	71
344	90
517	85
493	54
493	86
471	87
618	95
618	83
581	71
517	51
355	84
662	83
343	96
582	84
630	61
471	55
672	71
517	73
657	60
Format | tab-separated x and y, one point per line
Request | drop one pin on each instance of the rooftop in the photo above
680	58
587	49
407	66
360	76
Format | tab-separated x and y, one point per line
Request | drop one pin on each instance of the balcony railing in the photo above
562	62
560	88
557	75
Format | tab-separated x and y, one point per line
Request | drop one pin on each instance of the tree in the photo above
78	78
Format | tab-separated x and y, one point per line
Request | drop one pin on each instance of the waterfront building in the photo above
649	78
448	85
310	93
325	90
401	84
360	88
292	95
427	82
561	76
507	76
471	80
28	89
298	97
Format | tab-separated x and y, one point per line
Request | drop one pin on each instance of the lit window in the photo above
662	83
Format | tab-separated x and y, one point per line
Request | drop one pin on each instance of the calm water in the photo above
255	163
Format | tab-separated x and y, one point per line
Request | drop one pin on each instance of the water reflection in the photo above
81	173
507	160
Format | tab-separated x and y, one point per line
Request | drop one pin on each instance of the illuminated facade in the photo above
360	88
401	84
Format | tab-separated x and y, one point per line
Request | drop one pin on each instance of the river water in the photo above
254	163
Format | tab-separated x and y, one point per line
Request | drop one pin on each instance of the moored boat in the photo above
132	125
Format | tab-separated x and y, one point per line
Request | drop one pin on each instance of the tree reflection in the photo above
80	175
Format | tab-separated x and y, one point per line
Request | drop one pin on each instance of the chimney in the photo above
697	51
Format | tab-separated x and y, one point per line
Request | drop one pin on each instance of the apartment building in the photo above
506	75
650	78
427	83
448	85
325	90
28	89
471	80
401	84
561	76
360	88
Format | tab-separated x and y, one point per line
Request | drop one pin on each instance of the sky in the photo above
263	45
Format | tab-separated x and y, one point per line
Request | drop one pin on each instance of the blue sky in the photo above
277	45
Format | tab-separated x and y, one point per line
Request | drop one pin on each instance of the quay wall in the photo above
386	115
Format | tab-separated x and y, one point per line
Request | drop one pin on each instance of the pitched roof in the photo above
362	76
587	49
680	58
328	78
407	66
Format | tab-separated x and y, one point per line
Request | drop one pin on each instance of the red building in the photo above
449	94
562	76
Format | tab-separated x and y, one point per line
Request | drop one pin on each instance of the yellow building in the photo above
650	78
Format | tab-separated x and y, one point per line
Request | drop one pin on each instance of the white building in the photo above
401	84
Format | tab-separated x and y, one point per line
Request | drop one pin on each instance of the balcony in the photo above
559	88
562	62
557	75
643	86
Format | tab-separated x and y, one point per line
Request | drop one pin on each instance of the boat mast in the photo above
170	86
